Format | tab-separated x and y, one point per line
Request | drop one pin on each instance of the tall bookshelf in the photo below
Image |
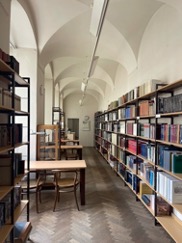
58	118
48	143
142	141
14	135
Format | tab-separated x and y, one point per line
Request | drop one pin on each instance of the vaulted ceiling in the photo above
60	32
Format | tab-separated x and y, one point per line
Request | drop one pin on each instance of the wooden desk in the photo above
63	164
77	147
74	141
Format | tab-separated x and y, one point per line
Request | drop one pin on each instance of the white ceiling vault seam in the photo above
60	32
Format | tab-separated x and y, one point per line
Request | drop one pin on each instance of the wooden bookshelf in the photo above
172	225
116	121
9	111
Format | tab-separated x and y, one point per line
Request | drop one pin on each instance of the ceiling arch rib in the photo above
73	39
70	91
21	19
132	27
74	84
77	70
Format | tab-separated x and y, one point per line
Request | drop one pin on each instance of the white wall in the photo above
72	109
5	24
161	47
48	101
159	56
28	68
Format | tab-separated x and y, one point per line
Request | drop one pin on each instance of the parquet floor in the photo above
111	213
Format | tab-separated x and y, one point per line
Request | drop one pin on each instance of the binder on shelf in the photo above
22	231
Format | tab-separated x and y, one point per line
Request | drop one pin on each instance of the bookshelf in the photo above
141	139
58	118
14	136
48	142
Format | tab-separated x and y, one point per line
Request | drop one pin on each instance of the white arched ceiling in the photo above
72	39
130	18
21	34
61	29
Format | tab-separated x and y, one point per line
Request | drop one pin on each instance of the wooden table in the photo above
63	164
77	147
74	141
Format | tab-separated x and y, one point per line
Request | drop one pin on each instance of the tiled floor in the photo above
111	213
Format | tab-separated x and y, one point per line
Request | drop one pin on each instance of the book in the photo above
22	231
5	170
163	208
175	189
2	214
144	188
168	158
6	201
176	163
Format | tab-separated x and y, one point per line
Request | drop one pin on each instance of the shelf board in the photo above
5	231
6	149
178	207
176	175
169	114
143	158
147	207
4	190
146	182
4	67
169	143
4	108
169	87
146	139
19	209
172	226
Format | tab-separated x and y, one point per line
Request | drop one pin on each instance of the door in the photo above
73	126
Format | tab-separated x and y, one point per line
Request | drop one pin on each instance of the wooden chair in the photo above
35	186
71	154
66	181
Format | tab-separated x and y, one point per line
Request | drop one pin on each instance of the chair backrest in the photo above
66	174
71	154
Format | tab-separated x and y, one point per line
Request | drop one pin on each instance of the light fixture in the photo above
97	16
93	66
38	133
97	19
83	87
80	102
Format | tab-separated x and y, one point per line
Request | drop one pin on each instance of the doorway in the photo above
73	126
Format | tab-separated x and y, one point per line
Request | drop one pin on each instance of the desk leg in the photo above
80	154
82	186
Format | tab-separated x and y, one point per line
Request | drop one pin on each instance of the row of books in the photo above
170	104
128	112
7	136
170	158
146	170
169	187
147	108
165	132
5	205
147	150
132	179
171	133
162	207
6	170
9	60
146	88
6	99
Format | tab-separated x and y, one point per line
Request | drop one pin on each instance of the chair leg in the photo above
37	201
56	199
76	199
